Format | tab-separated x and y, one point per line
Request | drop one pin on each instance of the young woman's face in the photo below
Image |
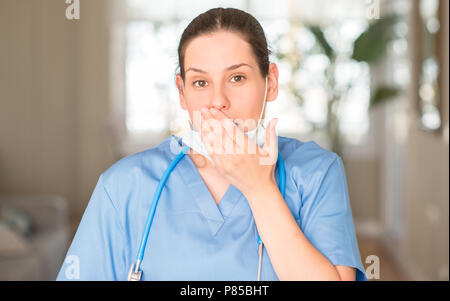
221	71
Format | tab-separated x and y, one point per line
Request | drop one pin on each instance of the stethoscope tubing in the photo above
159	188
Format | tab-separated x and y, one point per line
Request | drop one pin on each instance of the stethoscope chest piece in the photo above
134	274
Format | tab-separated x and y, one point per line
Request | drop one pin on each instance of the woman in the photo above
222	198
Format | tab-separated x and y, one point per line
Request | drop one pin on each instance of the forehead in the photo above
217	51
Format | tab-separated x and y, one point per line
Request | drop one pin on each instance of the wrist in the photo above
267	190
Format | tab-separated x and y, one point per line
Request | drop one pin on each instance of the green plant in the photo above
370	47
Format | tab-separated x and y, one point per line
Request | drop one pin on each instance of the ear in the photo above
179	83
272	82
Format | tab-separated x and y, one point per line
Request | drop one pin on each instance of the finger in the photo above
206	115
242	143
207	134
229	141
237	138
204	125
229	145
219	117
219	136
212	145
271	135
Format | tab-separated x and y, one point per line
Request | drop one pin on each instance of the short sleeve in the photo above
96	252
326	219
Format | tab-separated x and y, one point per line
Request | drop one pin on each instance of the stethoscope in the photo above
135	273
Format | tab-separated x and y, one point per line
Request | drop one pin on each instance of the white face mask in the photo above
193	139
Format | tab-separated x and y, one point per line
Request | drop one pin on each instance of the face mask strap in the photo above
264	104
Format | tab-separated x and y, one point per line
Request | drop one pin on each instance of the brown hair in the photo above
230	19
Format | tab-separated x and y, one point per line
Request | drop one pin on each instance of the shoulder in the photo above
305	155
306	163
136	168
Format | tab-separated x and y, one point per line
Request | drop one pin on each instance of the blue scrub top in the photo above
191	237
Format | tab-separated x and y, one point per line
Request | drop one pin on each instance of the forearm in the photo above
291	254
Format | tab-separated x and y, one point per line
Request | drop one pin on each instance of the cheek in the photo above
246	101
197	98
194	102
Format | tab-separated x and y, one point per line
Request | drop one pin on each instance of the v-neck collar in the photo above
215	215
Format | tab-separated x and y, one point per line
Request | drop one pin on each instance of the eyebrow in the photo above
232	67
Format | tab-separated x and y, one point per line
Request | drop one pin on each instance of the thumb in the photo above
270	144
271	133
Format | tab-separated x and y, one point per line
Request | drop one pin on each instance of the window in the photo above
153	32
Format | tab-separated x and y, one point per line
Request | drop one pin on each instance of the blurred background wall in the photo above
68	94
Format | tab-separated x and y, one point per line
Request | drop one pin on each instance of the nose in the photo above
220	100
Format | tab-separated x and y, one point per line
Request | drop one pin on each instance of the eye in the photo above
239	77
202	83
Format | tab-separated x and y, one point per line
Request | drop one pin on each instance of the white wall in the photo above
54	94
423	251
